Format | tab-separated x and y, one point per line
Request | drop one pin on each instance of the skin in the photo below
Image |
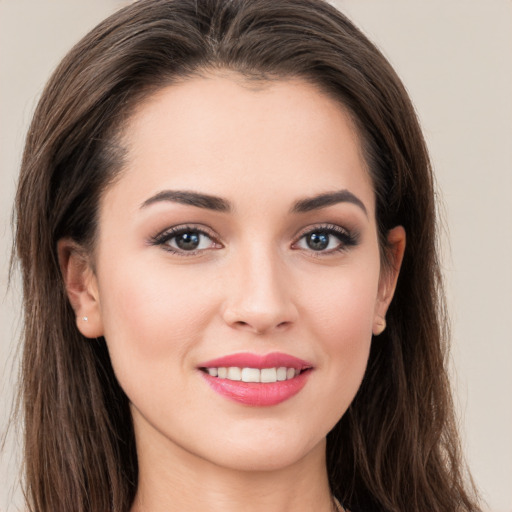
254	285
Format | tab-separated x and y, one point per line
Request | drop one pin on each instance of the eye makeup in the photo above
320	240
186	240
325	239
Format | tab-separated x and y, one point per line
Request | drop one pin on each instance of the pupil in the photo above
188	241
318	241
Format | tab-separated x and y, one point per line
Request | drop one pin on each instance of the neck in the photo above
176	480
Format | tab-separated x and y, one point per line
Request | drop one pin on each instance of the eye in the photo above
190	241
183	240
326	239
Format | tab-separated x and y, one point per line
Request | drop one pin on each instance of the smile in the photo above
263	375
256	380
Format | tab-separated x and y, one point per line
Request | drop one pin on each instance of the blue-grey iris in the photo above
188	241
317	241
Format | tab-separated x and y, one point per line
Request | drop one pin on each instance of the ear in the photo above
81	287
389	276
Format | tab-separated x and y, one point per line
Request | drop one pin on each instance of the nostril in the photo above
259	327
257	319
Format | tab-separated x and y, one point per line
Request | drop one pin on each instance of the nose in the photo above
259	294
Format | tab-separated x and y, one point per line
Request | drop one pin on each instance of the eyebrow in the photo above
219	204
190	198
327	199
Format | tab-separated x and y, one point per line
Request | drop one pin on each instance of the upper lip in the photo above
250	360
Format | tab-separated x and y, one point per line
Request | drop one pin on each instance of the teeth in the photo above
250	375
281	373
234	373
268	375
264	375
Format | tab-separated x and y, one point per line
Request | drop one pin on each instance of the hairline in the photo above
117	134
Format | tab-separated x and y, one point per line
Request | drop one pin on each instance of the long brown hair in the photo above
396	448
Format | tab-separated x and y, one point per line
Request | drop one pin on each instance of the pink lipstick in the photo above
256	380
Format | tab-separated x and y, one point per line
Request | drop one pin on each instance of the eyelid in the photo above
327	226
347	237
167	234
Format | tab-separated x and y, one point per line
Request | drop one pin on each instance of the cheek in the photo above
153	320
344	306
342	317
150	313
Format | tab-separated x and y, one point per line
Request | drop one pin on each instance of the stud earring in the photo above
380	327
84	318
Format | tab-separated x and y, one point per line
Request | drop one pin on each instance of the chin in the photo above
267	453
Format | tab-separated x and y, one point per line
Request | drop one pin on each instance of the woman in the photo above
227	234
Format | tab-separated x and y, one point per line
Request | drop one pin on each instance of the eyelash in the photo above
346	238
164	237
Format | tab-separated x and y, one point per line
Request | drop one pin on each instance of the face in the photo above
239	242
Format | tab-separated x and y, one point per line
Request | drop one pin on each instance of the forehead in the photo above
225	135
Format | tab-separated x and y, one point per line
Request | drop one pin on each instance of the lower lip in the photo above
257	394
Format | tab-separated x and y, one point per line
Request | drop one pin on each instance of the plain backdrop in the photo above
455	57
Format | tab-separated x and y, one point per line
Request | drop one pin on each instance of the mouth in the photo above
258	375
256	380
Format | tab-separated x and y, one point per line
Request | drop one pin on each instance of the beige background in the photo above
455	57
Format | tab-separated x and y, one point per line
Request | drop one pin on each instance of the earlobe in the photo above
389	277
81	287
379	325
